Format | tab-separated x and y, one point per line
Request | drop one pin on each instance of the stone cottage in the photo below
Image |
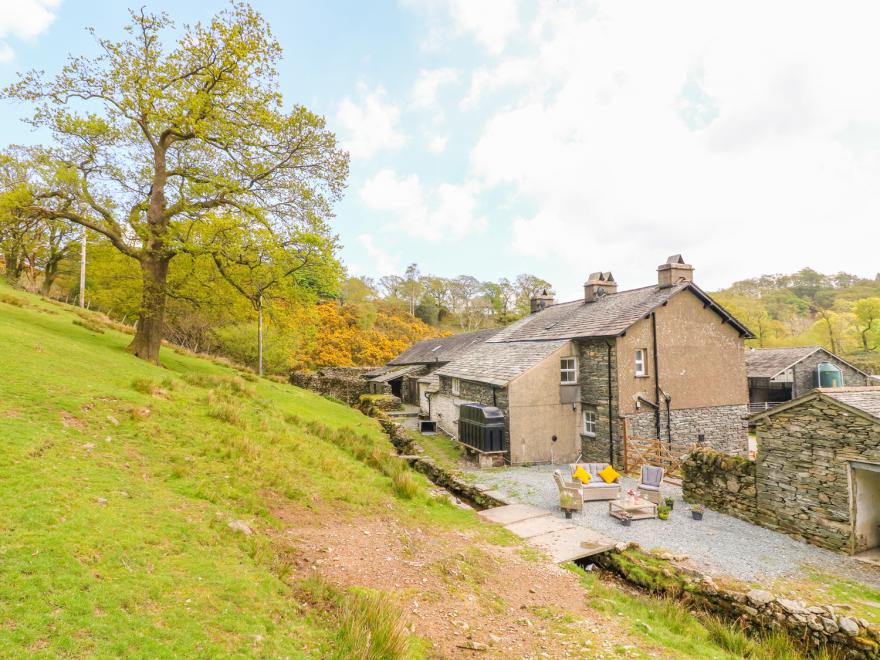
661	361
817	475
777	375
411	374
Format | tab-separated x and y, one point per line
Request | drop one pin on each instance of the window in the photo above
590	423
641	362
568	371
456	386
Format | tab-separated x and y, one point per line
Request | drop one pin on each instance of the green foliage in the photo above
840	312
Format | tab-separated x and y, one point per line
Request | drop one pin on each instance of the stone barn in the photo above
817	474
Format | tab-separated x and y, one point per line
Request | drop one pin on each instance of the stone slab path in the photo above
562	540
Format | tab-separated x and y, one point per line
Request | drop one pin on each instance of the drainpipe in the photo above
656	376
610	408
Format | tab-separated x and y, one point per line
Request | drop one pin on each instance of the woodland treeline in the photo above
840	312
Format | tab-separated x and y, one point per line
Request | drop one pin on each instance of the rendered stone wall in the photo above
721	482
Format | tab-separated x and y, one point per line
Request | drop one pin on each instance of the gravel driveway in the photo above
723	545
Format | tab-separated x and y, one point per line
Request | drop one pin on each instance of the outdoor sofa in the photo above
596	488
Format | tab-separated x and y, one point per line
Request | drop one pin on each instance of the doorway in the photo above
865	506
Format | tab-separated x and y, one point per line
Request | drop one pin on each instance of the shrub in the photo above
372	627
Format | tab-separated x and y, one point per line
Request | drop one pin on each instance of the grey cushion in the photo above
651	476
647	487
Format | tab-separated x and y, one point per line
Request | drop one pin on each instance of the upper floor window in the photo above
590	423
568	371
641	362
456	386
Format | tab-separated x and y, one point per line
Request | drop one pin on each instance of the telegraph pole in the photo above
82	271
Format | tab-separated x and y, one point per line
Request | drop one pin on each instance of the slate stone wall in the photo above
444	405
593	360
804	373
800	482
803	471
721	482
724	428
343	383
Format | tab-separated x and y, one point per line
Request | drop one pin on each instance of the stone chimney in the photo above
541	300
675	270
598	285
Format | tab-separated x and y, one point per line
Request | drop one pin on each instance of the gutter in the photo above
656	376
610	408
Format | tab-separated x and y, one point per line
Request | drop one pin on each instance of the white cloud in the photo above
424	94
369	125
743	135
447	212
437	144
491	23
383	262
24	19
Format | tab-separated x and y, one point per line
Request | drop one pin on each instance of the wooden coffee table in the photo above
638	509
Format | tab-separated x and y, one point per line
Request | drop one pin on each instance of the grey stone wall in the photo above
470	392
723	483
804	370
803	470
724	428
343	383
593	358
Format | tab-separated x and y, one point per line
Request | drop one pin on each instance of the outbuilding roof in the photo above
395	373
498	363
862	400
608	316
770	362
442	349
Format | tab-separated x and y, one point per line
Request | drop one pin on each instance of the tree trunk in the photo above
148	336
260	340
13	266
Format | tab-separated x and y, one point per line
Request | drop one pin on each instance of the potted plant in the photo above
670	503
663	512
626	519
697	511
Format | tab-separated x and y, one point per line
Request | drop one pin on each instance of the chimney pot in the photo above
599	284
674	271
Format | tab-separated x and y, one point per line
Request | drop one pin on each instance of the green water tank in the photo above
828	375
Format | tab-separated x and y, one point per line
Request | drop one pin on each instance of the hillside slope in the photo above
192	510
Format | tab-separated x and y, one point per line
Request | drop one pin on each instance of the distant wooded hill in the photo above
840	312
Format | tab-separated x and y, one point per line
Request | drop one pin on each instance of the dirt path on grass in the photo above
458	591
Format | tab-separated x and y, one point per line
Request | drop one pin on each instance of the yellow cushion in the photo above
609	475
582	474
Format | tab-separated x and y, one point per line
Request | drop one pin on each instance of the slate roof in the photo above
395	373
498	363
770	362
866	399
442	349
609	316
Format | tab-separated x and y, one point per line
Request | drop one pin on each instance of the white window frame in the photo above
641	362
456	386
589	423
565	371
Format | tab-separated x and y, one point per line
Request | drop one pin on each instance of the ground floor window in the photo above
590	423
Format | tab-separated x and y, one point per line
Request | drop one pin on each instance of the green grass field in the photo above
120	479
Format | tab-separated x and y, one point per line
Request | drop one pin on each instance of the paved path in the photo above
721	544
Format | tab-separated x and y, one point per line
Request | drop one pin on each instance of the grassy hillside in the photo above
193	510
120	480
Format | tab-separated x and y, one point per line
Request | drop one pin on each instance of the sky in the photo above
497	137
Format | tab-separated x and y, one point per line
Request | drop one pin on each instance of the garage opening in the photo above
866	506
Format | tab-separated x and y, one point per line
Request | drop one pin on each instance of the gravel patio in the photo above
721	544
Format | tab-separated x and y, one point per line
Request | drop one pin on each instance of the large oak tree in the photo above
160	141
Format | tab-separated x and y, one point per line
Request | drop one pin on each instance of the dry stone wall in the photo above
721	482
724	428
344	383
